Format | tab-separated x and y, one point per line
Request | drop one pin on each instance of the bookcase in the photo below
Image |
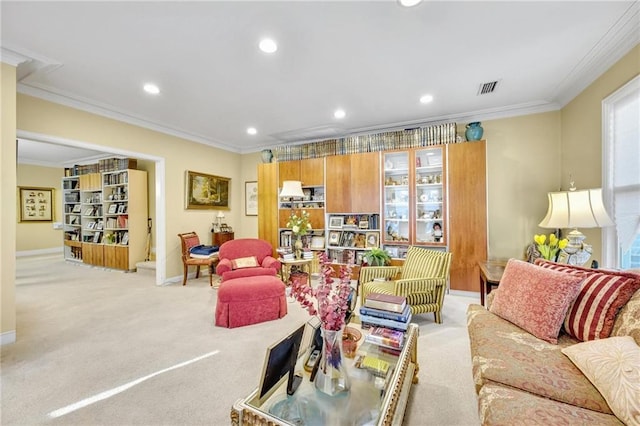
72	218
105	217
350	235
414	191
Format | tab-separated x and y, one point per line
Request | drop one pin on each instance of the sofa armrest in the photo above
272	263
224	265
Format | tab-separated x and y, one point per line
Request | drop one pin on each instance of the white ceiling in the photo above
372	58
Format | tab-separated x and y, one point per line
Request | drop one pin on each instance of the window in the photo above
621	169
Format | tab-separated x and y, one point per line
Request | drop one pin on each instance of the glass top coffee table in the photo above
374	399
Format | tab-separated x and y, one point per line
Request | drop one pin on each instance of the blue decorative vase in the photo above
474	131
267	155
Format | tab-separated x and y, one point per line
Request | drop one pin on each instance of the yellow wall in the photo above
40	235
582	133
7	202
523	164
47	118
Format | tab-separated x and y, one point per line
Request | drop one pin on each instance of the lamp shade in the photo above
220	215
292	188
576	209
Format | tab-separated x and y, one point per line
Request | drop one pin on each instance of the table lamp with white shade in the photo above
576	209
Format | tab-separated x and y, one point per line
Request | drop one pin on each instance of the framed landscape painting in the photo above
207	192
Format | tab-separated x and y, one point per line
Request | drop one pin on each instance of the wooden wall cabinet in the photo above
467	213
116	256
268	222
352	183
310	171
457	199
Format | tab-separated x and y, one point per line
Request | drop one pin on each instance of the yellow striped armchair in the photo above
422	280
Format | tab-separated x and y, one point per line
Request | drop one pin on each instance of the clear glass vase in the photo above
331	378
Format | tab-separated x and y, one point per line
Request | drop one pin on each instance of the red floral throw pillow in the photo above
535	299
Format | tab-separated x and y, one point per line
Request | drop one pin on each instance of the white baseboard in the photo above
26	253
473	294
7	337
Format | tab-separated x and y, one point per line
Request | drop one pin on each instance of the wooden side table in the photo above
490	276
218	238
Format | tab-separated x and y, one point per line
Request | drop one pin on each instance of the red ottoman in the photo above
250	300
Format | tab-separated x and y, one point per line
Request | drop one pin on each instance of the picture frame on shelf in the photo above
125	239
91	225
317	242
363	224
334	238
206	192
122	208
373	240
77	208
336	222
113	208
251	198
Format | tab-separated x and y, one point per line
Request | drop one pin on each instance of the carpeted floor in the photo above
99	347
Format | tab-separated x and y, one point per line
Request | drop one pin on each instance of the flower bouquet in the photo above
330	302
549	250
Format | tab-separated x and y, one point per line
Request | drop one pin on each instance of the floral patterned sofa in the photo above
558	345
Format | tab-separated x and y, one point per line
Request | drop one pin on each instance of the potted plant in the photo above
377	257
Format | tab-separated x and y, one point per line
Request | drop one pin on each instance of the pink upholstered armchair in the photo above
246	257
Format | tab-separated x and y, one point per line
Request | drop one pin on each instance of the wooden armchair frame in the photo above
188	240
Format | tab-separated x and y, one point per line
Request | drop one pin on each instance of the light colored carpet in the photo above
84	331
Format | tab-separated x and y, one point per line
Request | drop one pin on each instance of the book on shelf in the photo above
403	316
386	337
388	302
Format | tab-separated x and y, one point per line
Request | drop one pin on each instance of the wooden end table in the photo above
490	275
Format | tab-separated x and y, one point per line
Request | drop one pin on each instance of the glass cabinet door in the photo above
397	198
429	183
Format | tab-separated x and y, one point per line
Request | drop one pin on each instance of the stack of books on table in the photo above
307	254
387	318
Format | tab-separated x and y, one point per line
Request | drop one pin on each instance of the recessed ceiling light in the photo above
409	3
151	88
339	113
267	45
425	99
252	130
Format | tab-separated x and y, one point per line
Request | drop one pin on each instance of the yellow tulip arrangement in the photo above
549	250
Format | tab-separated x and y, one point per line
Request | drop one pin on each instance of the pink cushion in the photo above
250	300
535	299
602	294
592	314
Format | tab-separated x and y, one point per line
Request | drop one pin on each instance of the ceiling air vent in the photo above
486	88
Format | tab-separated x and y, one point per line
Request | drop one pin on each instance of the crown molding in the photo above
12	57
623	36
73	101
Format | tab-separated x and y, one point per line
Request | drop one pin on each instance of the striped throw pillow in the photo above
593	312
